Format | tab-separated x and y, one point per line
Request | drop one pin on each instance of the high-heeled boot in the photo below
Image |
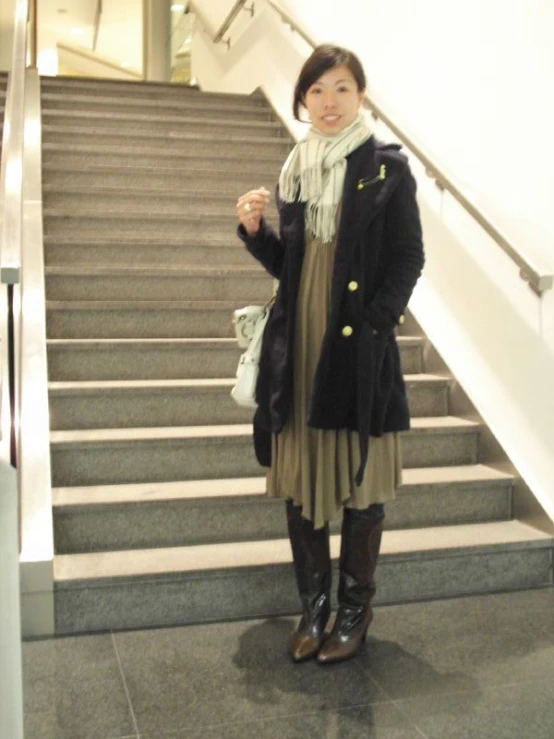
361	541
312	566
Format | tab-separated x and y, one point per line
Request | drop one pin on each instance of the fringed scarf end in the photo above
321	221
311	182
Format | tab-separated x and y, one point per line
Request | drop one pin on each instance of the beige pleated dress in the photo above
316	467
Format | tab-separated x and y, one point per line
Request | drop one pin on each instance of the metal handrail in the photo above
235	11
539	282
293	23
12	155
33	444
97	19
11	219
11	235
33	31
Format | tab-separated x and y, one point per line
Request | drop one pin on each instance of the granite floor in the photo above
475	668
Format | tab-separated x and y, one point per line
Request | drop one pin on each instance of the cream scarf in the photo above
318	164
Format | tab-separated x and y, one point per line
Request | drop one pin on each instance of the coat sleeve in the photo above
265	246
405	257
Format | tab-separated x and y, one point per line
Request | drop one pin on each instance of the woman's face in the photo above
333	101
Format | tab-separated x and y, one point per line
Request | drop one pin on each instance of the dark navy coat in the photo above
358	383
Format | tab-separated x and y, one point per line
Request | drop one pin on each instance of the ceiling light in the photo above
77	32
177	8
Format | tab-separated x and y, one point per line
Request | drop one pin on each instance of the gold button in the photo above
401	320
353	286
347	331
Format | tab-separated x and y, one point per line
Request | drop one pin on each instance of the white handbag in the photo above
245	320
249	328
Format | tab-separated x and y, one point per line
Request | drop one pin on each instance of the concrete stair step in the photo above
140	156
177	141
147	90
130	224
146	319
231	179
172	514
189	105
74	360
68	250
169	586
149	282
118	456
151	121
87	162
139	200
144	403
98	152
80	195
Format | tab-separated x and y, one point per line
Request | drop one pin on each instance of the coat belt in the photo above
370	361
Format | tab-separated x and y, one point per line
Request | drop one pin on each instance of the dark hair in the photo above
322	59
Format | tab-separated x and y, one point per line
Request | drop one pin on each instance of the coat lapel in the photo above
364	196
360	205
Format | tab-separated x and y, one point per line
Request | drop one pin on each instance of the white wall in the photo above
215	12
263	54
469	83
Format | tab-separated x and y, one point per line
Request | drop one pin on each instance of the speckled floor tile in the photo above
463	644
509	712
73	689
205	675
377	721
467	668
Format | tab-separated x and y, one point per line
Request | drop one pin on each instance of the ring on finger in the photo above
247	207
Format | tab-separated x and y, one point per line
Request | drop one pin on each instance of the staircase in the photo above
159	511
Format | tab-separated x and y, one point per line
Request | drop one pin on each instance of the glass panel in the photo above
182	26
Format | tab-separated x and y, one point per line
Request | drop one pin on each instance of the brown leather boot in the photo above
360	544
312	566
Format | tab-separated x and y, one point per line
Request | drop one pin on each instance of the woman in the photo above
330	391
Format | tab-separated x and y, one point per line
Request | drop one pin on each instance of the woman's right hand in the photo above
250	209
